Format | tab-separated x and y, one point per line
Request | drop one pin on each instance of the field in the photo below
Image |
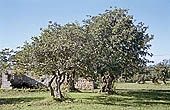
130	96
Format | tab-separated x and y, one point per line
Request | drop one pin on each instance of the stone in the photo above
84	84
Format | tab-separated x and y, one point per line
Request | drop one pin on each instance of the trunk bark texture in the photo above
50	86
71	82
107	84
141	80
164	80
155	80
59	80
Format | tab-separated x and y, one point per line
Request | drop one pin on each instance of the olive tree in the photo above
108	45
119	45
56	52
161	71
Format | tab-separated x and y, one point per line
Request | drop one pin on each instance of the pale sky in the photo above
22	19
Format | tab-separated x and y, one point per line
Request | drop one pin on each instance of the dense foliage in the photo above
119	46
106	46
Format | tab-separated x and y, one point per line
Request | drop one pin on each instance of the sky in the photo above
22	19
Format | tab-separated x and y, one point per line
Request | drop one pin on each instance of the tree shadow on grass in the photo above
148	97
110	100
148	94
105	100
131	98
19	100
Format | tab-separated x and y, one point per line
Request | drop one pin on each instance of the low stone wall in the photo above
10	81
84	84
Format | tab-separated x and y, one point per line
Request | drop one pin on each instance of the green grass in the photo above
130	96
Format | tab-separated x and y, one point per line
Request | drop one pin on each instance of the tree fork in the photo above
107	86
59	80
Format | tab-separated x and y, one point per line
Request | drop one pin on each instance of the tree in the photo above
118	45
108	45
57	52
143	72
161	71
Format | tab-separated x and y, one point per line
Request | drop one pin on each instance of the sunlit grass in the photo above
130	96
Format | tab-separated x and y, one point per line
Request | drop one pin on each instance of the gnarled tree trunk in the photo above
155	80
164	80
107	84
71	82
104	84
141	80
59	80
50	86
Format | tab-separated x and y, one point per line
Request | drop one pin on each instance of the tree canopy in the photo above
109	45
119	46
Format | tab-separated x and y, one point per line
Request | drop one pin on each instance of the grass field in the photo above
130	96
